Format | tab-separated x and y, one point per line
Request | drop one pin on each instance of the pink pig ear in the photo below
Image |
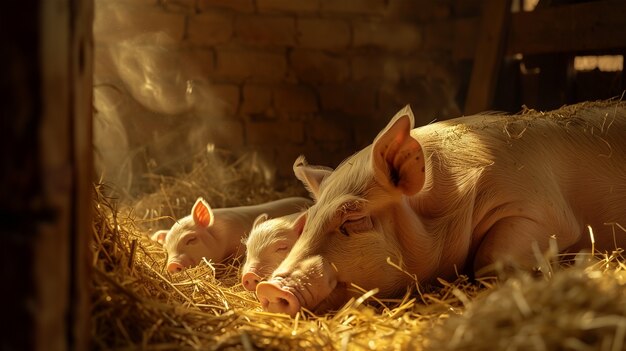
397	158
202	213
310	176
159	236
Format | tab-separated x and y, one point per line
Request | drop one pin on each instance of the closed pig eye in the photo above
191	240
282	248
356	225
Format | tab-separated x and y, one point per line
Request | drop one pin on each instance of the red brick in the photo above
130	20
418	10
321	33
257	65
328	154
226	133
365	134
227	95
198	63
236	5
352	99
295	6
257	99
210	28
264	30
439	36
286	155
294	99
350	7
415	67
468	8
274	132
373	68
328	129
317	66
199	131
426	100
182	6
206	100
392	35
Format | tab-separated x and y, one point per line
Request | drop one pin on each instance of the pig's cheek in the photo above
335	300
185	260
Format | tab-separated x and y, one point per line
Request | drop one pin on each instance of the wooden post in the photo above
45	170
488	56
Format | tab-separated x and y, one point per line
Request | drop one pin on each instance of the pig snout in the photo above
275	299
250	280
174	267
304	284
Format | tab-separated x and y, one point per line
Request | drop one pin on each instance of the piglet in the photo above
268	244
216	234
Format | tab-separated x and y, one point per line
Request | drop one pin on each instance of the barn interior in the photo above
118	114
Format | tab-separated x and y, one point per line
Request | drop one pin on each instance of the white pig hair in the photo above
266	234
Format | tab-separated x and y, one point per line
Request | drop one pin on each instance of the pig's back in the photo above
571	161
273	209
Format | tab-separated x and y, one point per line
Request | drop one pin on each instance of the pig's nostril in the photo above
174	267
250	280
275	299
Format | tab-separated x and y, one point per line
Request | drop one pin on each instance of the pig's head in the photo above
267	245
353	227
190	239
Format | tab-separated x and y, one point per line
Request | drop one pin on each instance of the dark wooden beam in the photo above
569	28
577	28
488	56
45	173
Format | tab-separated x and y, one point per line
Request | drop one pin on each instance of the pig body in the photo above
267	245
457	195
216	233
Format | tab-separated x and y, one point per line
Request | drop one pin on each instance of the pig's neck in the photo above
442	215
420	251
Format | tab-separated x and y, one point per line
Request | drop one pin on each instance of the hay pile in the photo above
138	305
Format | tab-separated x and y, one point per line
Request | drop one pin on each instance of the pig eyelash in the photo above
350	206
191	240
356	225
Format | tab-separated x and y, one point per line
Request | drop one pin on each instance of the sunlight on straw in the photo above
294	330
592	238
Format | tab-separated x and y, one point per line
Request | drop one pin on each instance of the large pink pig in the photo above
216	233
456	195
267	245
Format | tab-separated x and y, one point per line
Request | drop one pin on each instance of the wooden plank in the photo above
488	56
589	26
45	182
81	110
20	211
584	27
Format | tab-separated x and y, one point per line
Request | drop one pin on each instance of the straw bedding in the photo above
138	305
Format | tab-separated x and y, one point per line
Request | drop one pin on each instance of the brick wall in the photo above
312	77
